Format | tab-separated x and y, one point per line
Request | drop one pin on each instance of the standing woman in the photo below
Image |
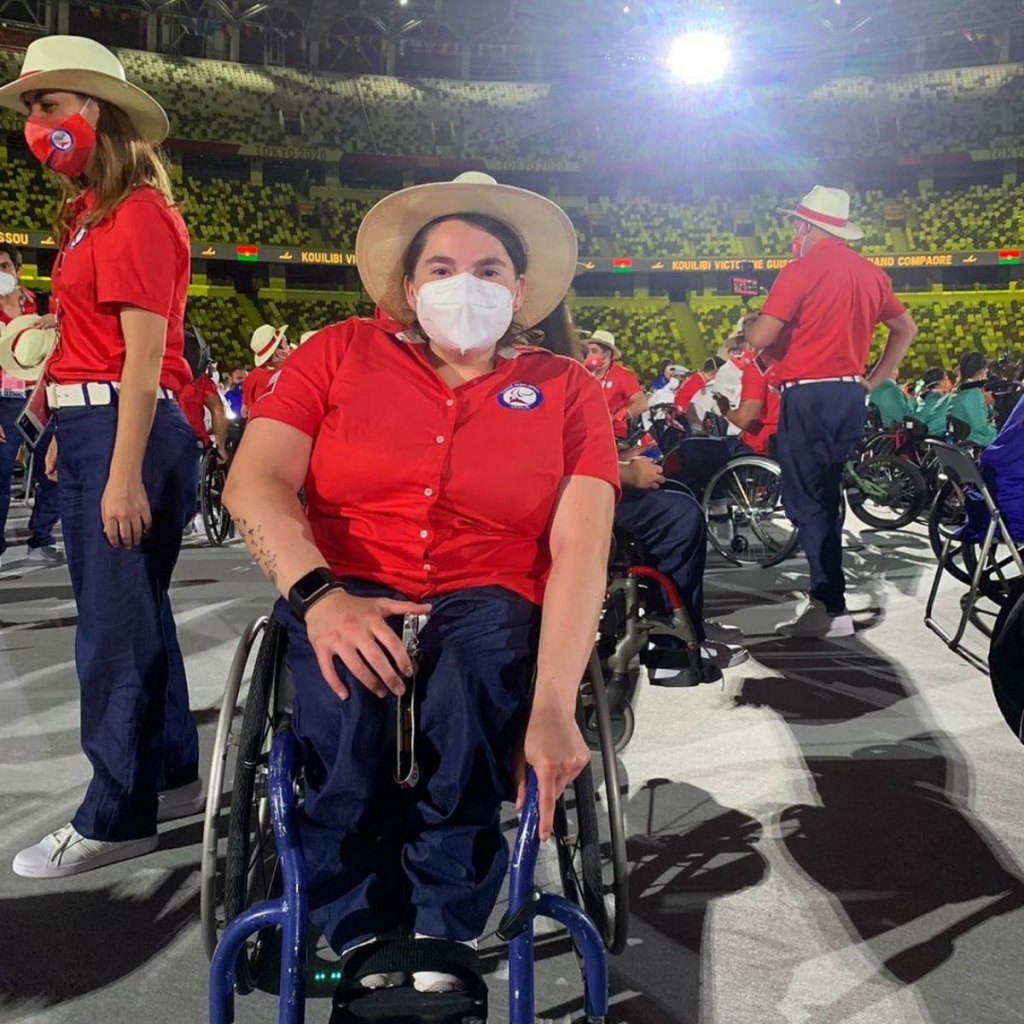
125	454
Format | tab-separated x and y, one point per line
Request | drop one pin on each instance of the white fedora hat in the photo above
607	340
77	64
265	341
828	209
547	233
24	349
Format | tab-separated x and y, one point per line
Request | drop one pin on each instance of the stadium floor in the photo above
833	835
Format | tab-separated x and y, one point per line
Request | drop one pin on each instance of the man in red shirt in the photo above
691	389
621	387
819	319
757	414
17	301
270	349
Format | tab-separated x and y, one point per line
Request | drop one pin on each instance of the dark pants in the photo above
670	527
46	507
819	427
137	730
431	859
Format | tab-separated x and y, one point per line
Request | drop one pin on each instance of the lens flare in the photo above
698	58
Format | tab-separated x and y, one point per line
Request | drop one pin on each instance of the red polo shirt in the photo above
254	385
619	386
427	488
138	256
830	301
755	388
14	387
688	391
192	399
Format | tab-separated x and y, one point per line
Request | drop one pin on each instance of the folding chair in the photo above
958	466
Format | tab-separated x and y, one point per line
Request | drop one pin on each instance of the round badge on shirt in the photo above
520	396
61	139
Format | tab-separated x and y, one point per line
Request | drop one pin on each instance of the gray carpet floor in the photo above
832	835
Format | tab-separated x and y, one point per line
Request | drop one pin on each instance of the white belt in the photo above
70	396
856	379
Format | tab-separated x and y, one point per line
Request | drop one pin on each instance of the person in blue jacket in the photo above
971	404
1002	466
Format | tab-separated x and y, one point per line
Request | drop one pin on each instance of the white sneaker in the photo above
65	852
182	802
49	554
439	981
199	525
373	982
722	633
723	655
813	621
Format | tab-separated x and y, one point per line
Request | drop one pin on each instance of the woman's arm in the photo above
579	539
262	496
124	507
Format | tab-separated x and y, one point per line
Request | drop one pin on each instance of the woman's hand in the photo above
45	323
50	460
354	629
124	510
554	748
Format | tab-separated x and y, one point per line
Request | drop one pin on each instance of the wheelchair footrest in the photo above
354	1004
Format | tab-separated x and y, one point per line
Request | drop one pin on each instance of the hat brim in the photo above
10	333
280	335
614	349
143	111
851	233
389	228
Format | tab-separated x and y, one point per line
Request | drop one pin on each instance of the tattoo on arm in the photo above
252	534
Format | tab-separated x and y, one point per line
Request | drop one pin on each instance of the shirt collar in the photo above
411	336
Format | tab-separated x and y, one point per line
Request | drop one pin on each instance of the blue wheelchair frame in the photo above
291	910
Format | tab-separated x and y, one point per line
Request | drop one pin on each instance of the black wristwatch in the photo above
308	590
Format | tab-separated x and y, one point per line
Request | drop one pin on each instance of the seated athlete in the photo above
1002	466
621	387
971	403
490	510
270	349
695	398
932	405
757	414
891	401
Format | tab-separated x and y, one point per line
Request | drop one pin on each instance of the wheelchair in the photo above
218	524
252	897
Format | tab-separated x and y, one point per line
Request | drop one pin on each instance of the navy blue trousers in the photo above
137	730
819	427
670	527
46	507
431	859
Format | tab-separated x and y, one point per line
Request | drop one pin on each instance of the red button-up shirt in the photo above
428	488
254	385
192	399
756	388
619	386
830	300
138	256
14	387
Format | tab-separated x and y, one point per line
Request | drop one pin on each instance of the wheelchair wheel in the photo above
591	857
216	520
746	521
946	516
885	491
251	872
211	912
1000	576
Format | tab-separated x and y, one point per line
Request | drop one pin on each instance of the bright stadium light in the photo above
697	58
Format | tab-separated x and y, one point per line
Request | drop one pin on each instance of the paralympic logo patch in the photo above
521	396
79	235
61	139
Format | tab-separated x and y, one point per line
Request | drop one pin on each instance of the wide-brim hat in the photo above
828	209
547	234
265	341
77	64
606	340
24	349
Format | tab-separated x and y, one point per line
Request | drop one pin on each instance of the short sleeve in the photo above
207	387
298	394
891	307
787	293
142	255
588	442
754	387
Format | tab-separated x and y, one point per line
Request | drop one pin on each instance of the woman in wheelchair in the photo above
486	504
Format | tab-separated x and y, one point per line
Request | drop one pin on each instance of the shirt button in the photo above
429	492
427	567
424	534
439	439
450	402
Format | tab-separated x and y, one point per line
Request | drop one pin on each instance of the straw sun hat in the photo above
828	209
77	64
546	231
24	349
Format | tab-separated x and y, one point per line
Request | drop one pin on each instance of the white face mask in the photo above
7	283
673	383
464	314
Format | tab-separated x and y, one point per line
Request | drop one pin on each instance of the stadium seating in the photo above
233	211
303	314
226	322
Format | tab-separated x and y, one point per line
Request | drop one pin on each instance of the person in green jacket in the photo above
891	402
932	406
971	404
